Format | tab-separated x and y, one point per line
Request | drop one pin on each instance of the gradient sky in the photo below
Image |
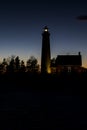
22	22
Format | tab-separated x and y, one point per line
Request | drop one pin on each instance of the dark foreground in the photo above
43	102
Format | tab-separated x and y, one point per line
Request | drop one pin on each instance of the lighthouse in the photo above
45	54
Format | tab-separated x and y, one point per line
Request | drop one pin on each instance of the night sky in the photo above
22	23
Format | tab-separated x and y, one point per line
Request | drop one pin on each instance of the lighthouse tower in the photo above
45	54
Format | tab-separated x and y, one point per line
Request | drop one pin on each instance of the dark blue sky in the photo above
22	22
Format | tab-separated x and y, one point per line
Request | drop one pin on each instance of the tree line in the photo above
14	64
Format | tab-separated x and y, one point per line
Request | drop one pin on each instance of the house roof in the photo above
69	60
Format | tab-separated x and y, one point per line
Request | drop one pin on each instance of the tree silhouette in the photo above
32	64
53	62
22	66
11	66
3	66
17	64
14	64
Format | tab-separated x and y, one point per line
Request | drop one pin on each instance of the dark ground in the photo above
43	102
